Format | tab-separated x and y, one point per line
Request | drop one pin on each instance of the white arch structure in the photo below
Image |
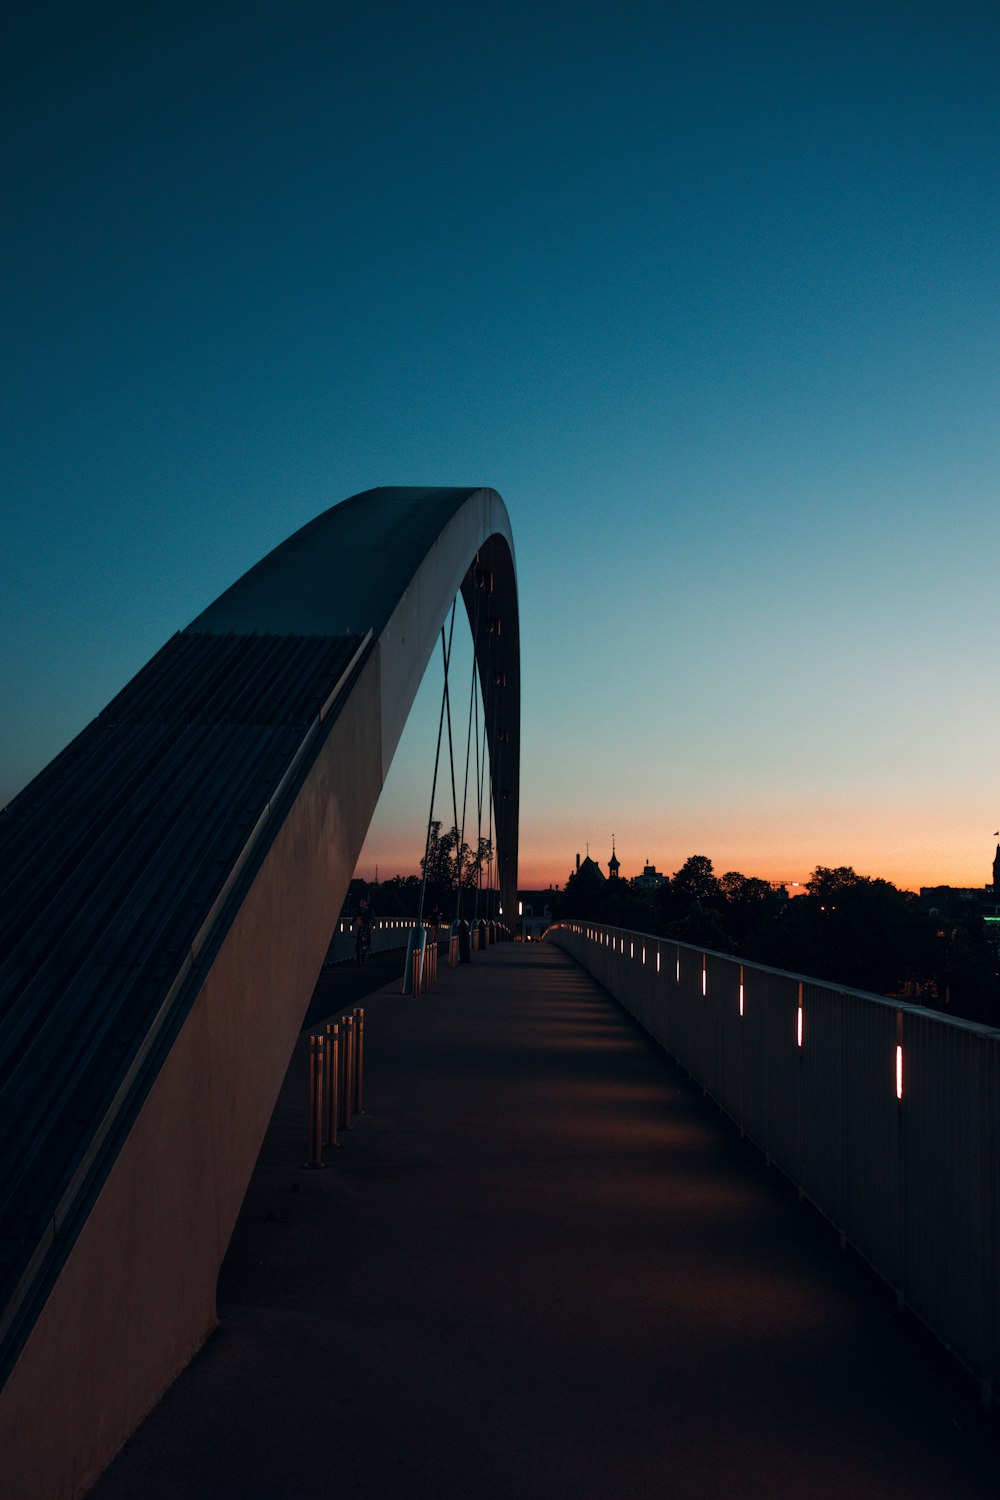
119	1291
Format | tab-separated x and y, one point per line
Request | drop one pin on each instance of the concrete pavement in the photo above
542	1265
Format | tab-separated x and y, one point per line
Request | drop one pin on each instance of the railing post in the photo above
316	1051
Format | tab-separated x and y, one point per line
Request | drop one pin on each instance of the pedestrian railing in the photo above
392	932
883	1114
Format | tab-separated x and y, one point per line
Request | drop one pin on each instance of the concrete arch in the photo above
355	570
299	678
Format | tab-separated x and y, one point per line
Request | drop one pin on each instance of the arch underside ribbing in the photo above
171	882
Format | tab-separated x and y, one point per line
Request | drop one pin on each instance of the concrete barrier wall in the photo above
391	933
884	1115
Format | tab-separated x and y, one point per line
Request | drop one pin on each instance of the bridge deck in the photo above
541	1265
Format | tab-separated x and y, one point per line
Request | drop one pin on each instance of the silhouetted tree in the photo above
694	881
397	896
701	926
850	929
750	910
965	971
623	905
860	932
447	857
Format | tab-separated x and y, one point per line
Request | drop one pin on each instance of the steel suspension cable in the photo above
490	742
479	822
454	794
468	747
446	654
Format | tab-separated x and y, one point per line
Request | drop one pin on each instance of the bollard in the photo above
316	1059
347	1072
342	1072
483	930
352	1041
464	942
332	1081
413	969
359	1058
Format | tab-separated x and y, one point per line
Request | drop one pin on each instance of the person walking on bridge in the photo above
363	924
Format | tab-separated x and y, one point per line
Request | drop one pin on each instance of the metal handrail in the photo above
881	1112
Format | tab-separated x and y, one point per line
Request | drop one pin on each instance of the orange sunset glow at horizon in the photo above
789	861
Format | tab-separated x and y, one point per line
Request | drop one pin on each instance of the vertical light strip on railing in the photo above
920	1203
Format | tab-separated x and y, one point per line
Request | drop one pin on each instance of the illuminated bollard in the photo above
413	969
316	1059
352	1066
464	942
347	1072
332	1081
359	1058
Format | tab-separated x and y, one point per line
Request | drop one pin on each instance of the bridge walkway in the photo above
542	1265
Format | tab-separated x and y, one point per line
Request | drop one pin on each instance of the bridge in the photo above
170	880
542	1263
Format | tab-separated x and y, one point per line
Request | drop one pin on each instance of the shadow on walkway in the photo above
542	1265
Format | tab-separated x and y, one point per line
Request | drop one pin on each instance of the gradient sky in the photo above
708	293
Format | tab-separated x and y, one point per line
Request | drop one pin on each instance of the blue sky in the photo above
709	294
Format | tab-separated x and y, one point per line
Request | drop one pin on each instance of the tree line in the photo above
449	862
849	929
